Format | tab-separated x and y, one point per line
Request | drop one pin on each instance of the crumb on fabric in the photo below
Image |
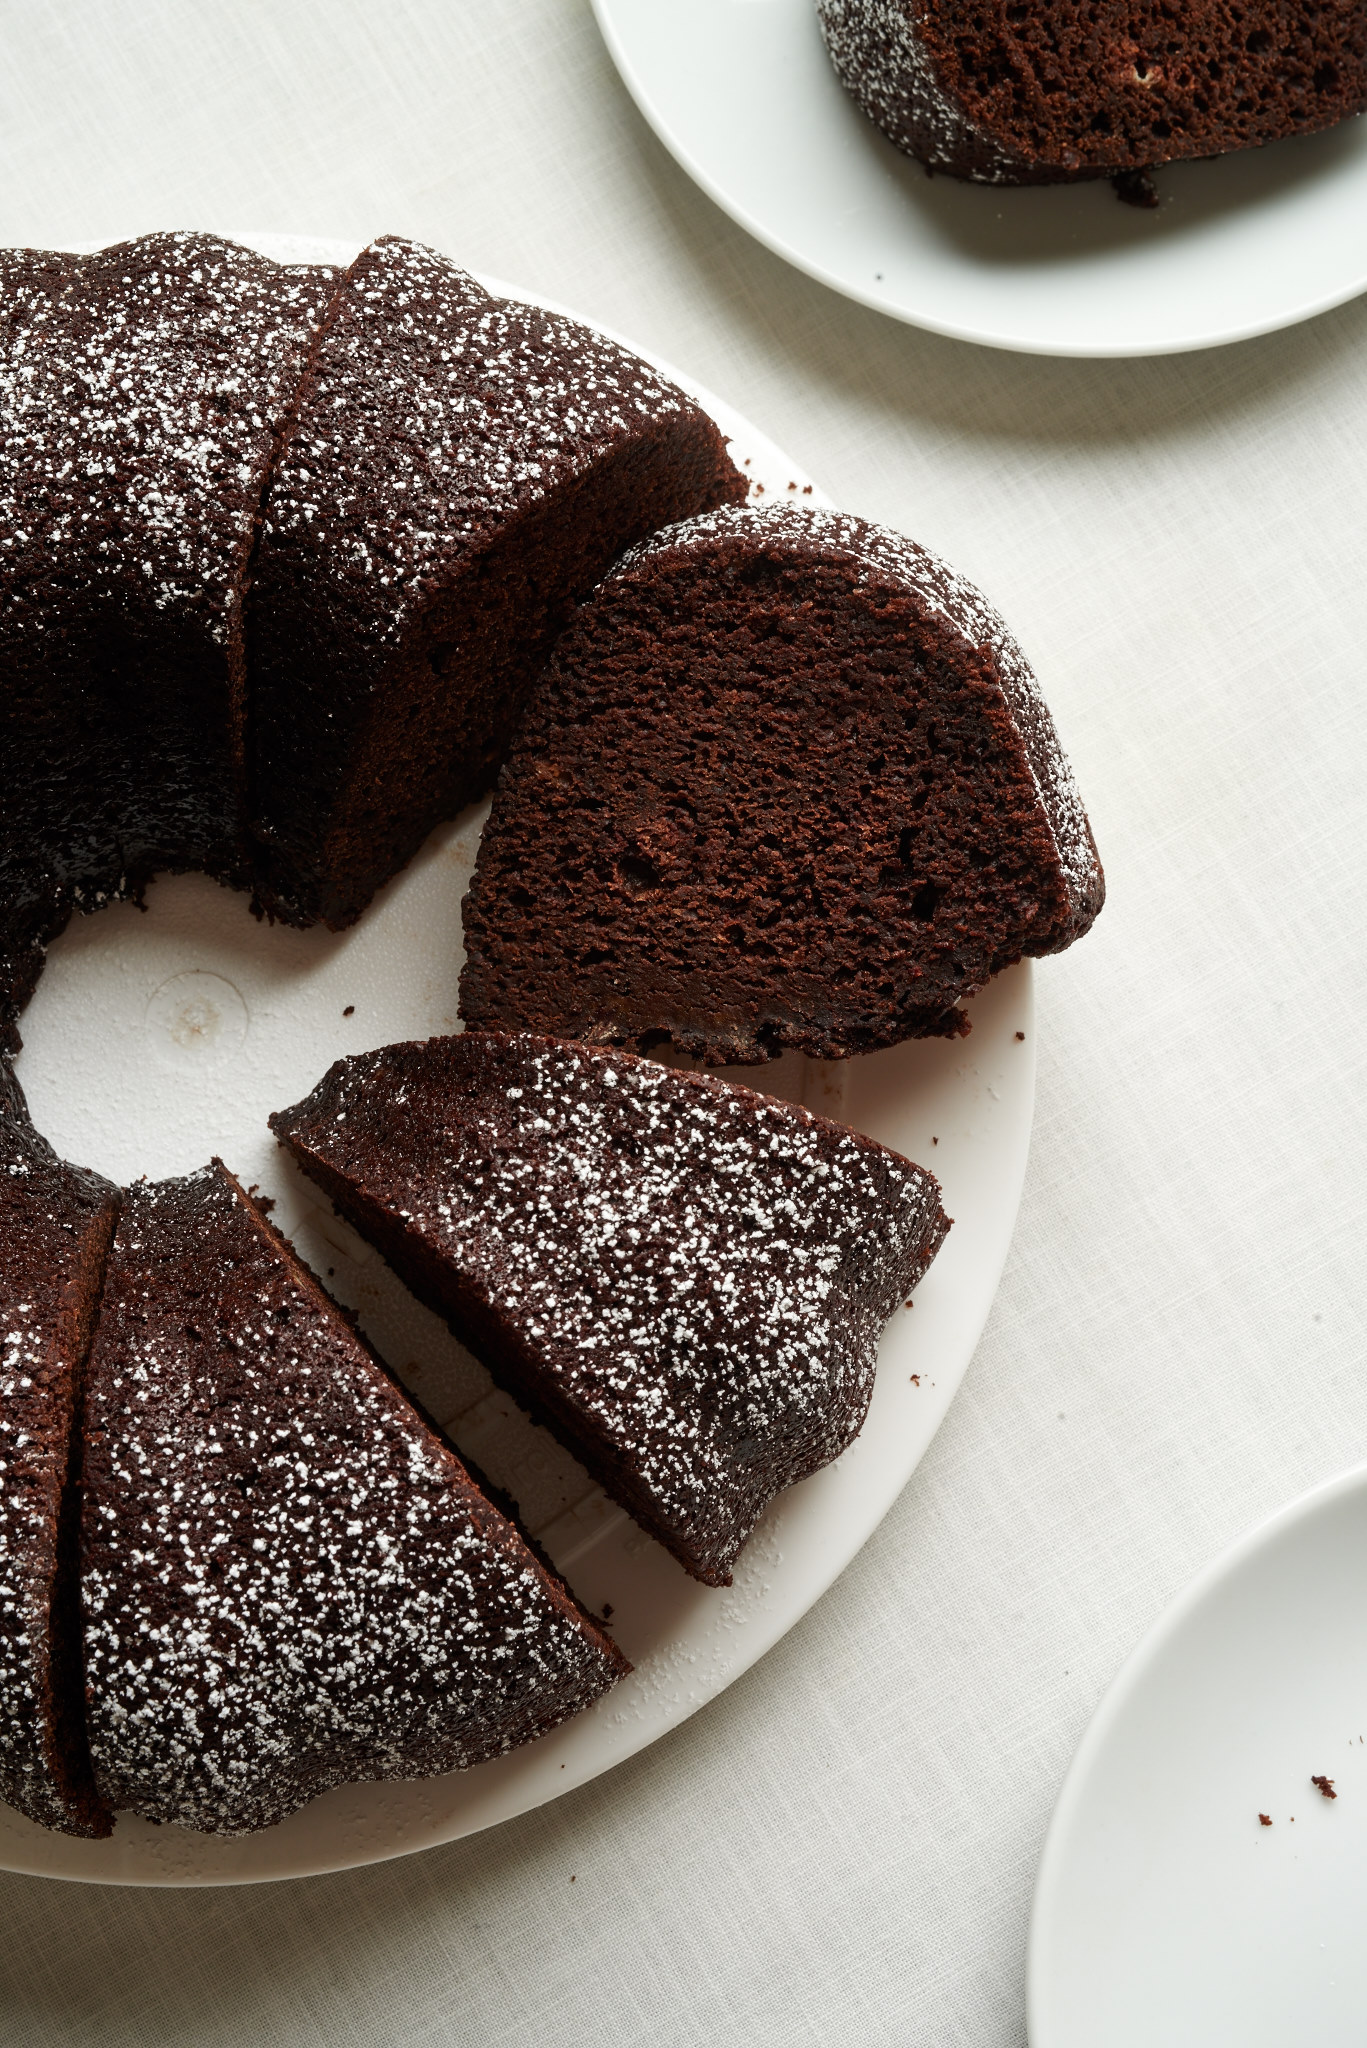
1325	1786
1265	1820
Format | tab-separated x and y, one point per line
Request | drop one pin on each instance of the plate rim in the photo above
604	12
1262	1535
1011	1170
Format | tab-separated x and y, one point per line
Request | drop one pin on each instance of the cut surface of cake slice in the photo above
686	1281
463	469
787	782
143	391
1011	95
55	1225
288	1579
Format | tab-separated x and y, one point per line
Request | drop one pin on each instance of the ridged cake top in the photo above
288	1579
435	411
879	54
54	1222
889	557
702	1272
141	393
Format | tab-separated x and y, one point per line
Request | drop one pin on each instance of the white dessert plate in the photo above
1165	1911
159	1037
742	93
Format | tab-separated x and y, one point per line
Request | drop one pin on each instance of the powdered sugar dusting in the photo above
151	377
488	405
142	392
699	1273
47	1212
288	1582
881	58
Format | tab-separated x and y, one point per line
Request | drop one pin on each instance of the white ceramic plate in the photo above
1165	1911
742	93
157	1038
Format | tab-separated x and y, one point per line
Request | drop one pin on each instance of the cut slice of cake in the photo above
143	391
463	469
288	1579
787	782
1006	94
686	1281
55	1226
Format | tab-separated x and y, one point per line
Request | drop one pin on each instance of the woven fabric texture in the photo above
842	1848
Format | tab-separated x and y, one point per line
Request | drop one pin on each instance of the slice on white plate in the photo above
743	95
156	1039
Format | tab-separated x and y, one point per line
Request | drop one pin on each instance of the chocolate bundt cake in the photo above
684	1280
288	1580
1013	95
462	469
55	1226
786	782
142	394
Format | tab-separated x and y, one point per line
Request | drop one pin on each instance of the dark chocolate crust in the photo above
787	782
288	1579
55	1225
462	470
1004	94
685	1280
143	391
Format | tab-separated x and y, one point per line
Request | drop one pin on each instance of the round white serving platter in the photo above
159	1037
743	95
1164	1910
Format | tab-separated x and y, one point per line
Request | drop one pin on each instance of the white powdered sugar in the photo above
693	1276
880	56
288	1581
141	395
48	1214
476	407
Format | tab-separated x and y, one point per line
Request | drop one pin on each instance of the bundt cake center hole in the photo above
159	1036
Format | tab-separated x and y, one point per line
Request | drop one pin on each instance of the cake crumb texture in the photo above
462	471
787	783
1005	94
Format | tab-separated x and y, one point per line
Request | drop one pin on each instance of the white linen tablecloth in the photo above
842	1848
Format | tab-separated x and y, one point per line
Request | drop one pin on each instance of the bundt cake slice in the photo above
684	1280
463	469
787	781
1013	95
288	1578
34	285
142	395
55	1226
